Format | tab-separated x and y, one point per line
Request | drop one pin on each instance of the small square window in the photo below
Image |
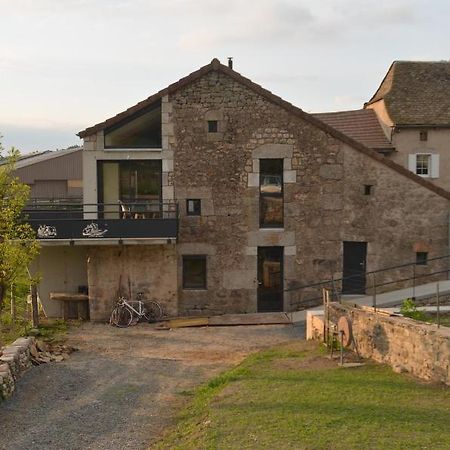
424	135
193	207
213	126
421	258
368	189
194	272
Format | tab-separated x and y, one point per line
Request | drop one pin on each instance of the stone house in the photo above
214	195
410	112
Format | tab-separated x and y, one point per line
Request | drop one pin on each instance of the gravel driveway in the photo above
121	389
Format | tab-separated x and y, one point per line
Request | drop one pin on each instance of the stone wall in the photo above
323	194
405	344
151	269
14	360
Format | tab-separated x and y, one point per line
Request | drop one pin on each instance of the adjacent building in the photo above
214	195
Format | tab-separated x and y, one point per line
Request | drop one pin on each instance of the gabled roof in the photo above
215	65
361	125
416	93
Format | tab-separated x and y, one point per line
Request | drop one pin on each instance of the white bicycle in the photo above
127	313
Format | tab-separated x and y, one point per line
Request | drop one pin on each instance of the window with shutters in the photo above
424	164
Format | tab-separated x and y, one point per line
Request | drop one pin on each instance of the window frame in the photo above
429	166
196	287
265	195
194	213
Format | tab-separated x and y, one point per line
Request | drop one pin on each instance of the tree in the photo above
18	245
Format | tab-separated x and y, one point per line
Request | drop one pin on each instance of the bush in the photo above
409	309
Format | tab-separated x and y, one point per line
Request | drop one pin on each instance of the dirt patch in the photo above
122	389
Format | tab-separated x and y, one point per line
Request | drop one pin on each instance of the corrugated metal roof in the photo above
29	160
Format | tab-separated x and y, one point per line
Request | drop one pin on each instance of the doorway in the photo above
270	279
354	268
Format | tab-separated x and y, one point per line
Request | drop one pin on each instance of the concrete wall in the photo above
151	269
404	344
62	269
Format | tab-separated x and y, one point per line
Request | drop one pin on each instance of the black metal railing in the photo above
75	220
401	276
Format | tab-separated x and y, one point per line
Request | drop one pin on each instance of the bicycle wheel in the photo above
121	317
153	311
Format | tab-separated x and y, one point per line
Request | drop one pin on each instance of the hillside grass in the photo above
292	397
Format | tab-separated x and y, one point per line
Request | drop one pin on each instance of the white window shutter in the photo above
412	163
435	166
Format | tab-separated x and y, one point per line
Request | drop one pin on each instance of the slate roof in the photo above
215	65
361	124
416	93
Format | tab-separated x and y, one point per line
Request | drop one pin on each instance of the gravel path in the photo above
121	389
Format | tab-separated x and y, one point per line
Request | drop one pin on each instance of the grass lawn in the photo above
291	397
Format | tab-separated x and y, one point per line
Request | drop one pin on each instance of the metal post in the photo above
374	292
34	306
438	315
341	335
414	282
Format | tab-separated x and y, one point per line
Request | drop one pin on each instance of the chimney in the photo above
230	62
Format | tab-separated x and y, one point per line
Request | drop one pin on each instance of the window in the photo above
368	189
143	130
194	272
424	164
213	126
271	193
193	207
421	258
424	135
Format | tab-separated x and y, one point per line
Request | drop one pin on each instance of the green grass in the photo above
279	399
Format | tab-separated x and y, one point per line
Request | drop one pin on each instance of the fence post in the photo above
414	282
13	304
34	306
438	315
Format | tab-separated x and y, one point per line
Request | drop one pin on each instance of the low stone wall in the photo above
405	344
14	360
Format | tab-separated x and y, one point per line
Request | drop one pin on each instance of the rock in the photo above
41	346
33	351
58	358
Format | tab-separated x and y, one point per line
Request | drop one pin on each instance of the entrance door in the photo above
354	263
270	279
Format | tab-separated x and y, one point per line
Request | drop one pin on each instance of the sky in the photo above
69	64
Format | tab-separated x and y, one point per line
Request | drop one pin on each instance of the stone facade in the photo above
405	344
323	194
116	270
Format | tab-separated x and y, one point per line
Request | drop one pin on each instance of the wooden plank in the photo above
250	319
188	322
68	297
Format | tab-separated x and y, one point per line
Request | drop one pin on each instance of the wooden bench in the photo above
75	306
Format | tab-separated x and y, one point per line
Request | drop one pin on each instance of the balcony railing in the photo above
72	220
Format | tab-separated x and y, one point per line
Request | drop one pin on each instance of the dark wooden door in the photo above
270	279
354	272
